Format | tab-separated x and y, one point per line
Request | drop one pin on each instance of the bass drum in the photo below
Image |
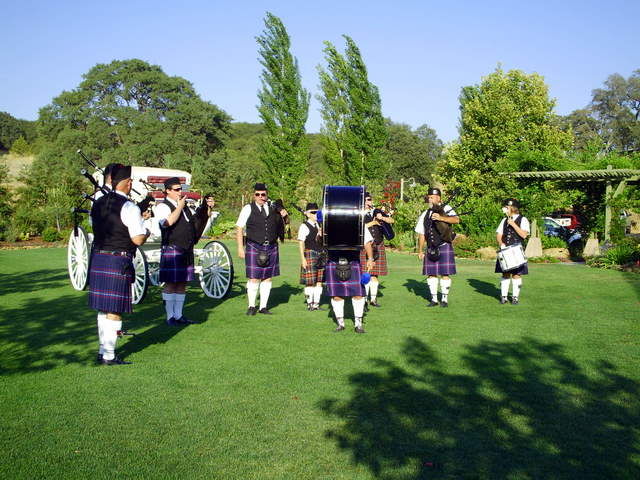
343	217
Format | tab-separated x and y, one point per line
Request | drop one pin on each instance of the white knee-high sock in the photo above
308	292
169	303
373	285
317	293
265	289
252	292
111	328
433	288
517	283
101	319
178	304
445	285
338	310
358	308
504	286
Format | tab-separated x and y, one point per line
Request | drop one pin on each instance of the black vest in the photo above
261	229
431	232
311	242
110	233
182	234
509	234
376	230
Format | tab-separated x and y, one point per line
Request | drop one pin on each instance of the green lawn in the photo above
548	389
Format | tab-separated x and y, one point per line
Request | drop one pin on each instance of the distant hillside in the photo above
16	164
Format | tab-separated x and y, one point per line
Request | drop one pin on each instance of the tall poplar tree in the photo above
354	128
284	108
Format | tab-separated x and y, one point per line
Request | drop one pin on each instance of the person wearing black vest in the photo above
373	223
177	225
263	222
118	230
312	257
512	230
434	229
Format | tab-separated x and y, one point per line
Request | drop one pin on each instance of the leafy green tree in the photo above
12	128
6	209
507	114
616	107
127	111
284	109
412	153
20	147
354	128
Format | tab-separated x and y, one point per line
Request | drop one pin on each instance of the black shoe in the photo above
359	330
116	361
310	307
432	304
503	300
265	311
444	304
374	304
514	301
185	321
99	358
318	307
251	311
172	322
339	328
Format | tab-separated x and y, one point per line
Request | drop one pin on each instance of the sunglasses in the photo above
368	199
260	194
313	211
176	189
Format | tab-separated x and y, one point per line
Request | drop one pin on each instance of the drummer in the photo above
513	229
312	257
343	279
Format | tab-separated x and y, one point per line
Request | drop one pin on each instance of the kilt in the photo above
251	261
446	264
521	270
176	264
110	278
379	265
312	275
337	288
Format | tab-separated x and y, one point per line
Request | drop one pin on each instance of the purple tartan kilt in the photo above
446	264
521	270
176	264
109	287
312	275
251	261
350	288
380	264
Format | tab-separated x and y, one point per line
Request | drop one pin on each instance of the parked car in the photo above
553	228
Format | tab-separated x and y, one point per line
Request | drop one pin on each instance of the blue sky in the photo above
419	53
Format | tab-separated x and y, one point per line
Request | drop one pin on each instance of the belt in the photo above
264	244
115	253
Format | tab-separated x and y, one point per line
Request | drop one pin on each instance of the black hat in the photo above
311	206
434	191
511	202
259	186
367	195
170	182
108	170
119	172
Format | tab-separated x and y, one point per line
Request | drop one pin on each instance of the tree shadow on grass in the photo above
41	334
523	410
418	288
280	295
485	288
32	281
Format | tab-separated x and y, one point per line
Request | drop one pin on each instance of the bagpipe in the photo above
387	228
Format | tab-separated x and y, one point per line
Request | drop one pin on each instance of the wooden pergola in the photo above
616	180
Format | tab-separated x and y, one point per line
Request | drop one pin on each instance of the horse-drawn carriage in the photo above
213	264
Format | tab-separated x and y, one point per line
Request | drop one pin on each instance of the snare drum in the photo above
511	257
343	217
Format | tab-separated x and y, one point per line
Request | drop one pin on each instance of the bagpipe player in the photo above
118	230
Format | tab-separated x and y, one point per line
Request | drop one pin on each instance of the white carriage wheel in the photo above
216	275
140	283
154	273
78	252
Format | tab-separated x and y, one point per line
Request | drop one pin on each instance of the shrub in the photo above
552	242
51	234
466	246
224	228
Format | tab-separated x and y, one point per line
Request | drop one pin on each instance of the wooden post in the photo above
607	209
